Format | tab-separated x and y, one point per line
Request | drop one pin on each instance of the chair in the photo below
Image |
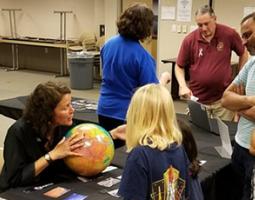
88	41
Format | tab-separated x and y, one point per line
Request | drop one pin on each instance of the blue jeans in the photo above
243	163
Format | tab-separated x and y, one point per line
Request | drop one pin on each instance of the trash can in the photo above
81	70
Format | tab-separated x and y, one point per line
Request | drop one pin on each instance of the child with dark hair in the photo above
190	147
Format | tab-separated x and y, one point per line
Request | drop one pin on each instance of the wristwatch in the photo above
48	158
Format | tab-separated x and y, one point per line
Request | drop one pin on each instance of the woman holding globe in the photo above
35	144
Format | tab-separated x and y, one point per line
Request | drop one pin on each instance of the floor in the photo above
22	82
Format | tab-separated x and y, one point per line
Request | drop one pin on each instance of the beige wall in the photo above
228	12
37	19
234	14
168	41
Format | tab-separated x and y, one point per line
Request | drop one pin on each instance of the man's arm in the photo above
248	113
184	91
243	59
252	147
234	98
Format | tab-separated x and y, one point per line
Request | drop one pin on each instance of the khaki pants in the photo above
216	110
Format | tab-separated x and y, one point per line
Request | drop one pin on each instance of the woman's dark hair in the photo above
136	22
41	104
190	147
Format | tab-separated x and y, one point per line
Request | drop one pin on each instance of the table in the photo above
215	174
75	185
174	82
35	54
13	107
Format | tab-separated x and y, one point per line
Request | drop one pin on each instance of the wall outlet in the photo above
184	28
179	28
173	28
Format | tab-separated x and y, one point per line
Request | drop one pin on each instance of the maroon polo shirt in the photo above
209	63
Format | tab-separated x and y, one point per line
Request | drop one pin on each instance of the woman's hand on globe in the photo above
67	146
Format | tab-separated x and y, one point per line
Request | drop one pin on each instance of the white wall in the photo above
38	20
112	8
99	15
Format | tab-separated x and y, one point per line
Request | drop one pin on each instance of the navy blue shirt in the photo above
146	165
196	192
126	65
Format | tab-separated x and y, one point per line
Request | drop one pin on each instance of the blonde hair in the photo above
151	119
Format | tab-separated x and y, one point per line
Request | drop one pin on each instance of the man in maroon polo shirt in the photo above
206	52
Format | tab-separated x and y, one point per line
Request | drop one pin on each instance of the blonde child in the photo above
153	141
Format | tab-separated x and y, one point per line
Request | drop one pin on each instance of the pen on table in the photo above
43	186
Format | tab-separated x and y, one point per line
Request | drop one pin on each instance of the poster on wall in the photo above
184	8
167	13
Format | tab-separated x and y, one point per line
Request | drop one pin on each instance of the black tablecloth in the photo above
217	178
91	189
13	108
215	173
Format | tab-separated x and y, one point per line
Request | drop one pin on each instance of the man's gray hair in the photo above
204	10
251	15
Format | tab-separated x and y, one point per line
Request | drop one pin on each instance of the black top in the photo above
22	147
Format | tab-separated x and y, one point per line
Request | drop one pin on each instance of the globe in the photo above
97	151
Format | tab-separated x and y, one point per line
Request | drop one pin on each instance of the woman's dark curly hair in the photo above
136	22
190	147
41	104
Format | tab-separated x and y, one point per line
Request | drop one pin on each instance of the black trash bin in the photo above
81	71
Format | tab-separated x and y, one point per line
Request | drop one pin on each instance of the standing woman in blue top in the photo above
153	141
126	65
